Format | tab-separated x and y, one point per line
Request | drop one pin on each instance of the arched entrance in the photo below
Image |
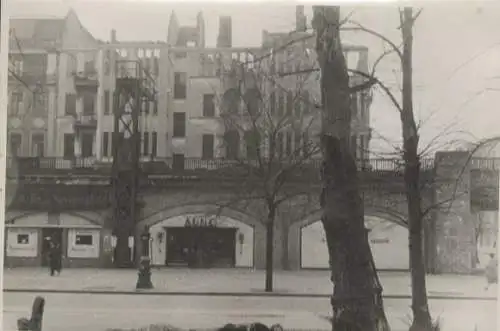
195	236
387	235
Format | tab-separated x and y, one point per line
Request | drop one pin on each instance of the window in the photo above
252	99
288	143
354	105
107	108
154	144
87	144
272	103
178	162
89	67
156	66
180	88
289	103
69	145
362	147
179	125
207	151
252	139
145	144
155	107
145	105
37	144
208	105
306	102
72	64
17	103
281	103
88	104
362	99
107	62
305	144
297	107
18	66
279	144
40	103
232	142
23	239
180	55
354	143
296	146
84	240
16	141
105	144
70	104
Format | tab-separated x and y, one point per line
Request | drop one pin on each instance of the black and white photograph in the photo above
249	165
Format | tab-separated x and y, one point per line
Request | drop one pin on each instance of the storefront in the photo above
83	242
388	241
203	241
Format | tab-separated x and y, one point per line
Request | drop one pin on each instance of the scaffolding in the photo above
134	86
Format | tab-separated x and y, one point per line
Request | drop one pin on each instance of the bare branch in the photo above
382	86
360	27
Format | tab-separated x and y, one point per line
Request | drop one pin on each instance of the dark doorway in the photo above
49	234
87	142
201	247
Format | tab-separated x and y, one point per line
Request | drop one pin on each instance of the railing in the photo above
490	163
86	120
41	165
169	165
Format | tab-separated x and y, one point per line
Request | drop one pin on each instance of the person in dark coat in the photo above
55	256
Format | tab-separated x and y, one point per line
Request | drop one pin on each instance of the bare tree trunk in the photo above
357	294
421	316
270	248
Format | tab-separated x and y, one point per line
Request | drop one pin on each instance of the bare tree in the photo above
270	126
412	162
357	294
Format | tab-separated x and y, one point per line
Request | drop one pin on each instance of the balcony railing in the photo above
86	80
190	166
83	121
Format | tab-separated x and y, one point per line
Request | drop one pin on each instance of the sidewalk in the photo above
240	282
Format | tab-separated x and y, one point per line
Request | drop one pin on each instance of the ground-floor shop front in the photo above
388	242
83	243
202	241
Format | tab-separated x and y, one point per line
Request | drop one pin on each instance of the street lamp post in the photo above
144	274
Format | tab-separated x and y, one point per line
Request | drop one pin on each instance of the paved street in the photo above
88	312
236	281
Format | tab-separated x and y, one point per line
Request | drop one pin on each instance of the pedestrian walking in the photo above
55	257
491	271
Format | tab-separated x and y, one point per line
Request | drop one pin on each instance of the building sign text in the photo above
200	221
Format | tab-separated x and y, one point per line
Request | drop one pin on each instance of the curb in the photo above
232	294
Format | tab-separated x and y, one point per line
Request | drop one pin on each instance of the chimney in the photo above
225	37
113	36
300	19
362	64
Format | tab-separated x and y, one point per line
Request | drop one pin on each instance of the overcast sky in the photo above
456	52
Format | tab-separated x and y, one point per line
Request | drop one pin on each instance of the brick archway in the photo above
294	231
258	228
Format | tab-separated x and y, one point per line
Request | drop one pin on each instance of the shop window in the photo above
83	239
23	239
